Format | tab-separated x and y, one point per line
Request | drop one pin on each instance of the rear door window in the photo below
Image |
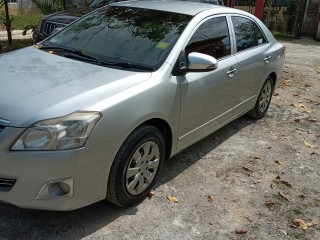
247	33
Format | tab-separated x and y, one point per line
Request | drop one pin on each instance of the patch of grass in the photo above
19	22
16	44
283	36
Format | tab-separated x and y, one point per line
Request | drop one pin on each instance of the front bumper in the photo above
85	170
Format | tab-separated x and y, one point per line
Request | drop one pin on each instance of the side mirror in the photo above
198	62
195	62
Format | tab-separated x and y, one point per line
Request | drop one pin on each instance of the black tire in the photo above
263	101
124	190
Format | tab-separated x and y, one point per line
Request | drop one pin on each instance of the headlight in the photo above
68	132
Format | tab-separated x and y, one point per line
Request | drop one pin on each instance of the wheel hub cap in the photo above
265	97
142	167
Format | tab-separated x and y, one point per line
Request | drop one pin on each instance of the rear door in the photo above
254	54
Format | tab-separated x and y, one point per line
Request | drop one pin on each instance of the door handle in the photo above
267	59
231	72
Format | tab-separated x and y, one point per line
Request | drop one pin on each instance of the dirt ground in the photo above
262	176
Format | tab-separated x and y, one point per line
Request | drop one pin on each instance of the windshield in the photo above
124	34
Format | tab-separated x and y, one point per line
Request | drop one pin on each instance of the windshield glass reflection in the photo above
140	36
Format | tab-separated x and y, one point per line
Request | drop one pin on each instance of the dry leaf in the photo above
299	222
296	120
210	198
173	199
308	144
312	120
270	202
258	157
301	105
279	162
293	105
306	111
311	224
272	185
278	177
151	193
247	169
241	231
276	94
293	226
284	196
286	183
296	94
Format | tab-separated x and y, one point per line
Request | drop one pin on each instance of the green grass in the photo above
17	43
283	36
19	22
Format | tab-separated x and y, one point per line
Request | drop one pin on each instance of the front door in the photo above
205	102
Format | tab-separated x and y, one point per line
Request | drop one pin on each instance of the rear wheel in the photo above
136	166
263	100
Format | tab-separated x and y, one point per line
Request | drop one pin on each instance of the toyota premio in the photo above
93	111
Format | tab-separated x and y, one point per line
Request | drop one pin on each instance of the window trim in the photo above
234	34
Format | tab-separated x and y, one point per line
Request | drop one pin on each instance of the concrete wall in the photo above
22	7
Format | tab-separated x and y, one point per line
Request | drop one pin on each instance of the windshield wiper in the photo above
77	53
127	65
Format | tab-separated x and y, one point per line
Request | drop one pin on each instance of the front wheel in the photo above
263	100
136	166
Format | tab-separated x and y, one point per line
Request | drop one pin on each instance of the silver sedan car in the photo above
93	111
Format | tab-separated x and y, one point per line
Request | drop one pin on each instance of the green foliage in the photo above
284	16
246	3
294	16
20	21
49	6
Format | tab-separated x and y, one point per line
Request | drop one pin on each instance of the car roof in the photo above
184	7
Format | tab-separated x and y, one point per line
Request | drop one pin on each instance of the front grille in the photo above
6	184
50	26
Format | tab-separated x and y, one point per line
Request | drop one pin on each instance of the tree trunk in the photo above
64	2
7	22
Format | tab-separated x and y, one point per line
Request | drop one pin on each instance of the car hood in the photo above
68	16
36	85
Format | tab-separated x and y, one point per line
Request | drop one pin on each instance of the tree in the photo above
294	17
7	20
